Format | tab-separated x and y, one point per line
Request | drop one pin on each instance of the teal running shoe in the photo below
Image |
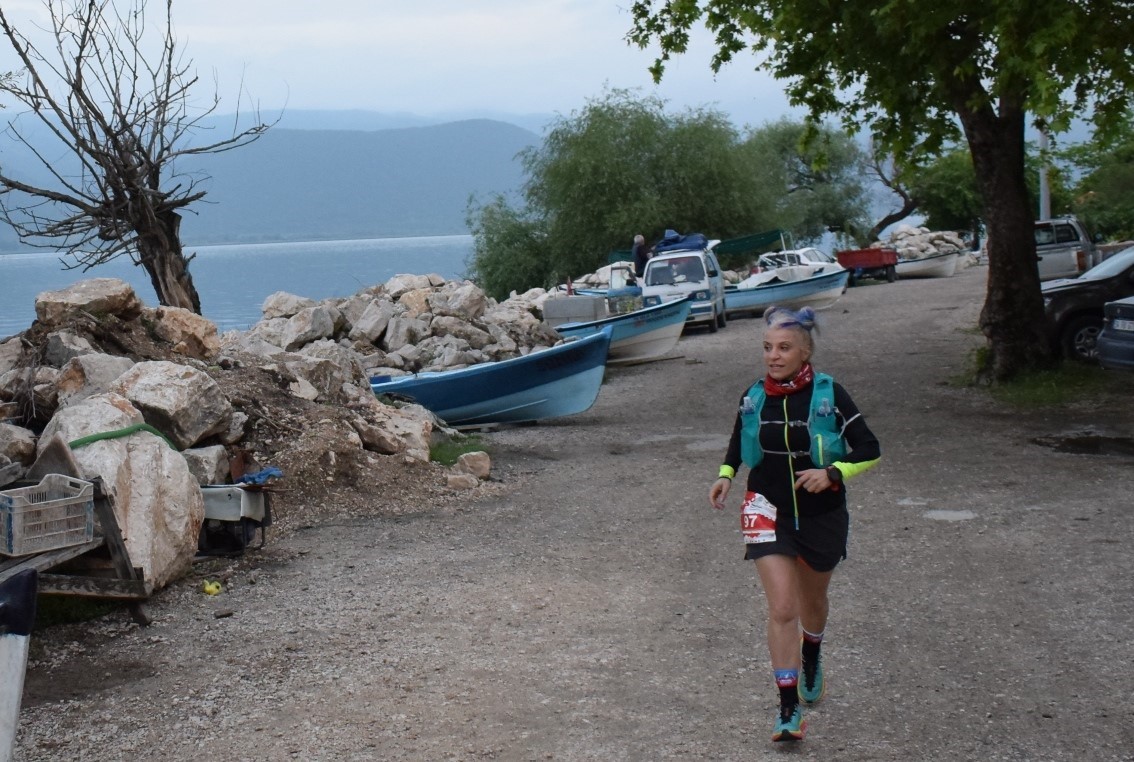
812	686
790	724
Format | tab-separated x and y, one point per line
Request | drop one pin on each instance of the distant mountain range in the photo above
340	175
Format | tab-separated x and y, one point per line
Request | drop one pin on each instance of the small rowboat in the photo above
935	266
550	383
638	336
817	286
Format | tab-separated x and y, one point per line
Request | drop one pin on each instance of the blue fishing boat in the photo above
550	383
637	336
17	615
817	286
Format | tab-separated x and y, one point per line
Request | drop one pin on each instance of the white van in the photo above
693	273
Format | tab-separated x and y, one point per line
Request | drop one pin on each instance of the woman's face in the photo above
785	352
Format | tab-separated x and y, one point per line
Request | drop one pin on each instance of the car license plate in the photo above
1124	325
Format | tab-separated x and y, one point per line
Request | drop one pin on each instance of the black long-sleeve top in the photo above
774	477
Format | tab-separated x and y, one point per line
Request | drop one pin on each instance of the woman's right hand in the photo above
719	491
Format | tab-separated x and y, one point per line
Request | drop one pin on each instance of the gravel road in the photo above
590	605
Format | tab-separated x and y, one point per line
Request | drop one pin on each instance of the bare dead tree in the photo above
115	94
886	170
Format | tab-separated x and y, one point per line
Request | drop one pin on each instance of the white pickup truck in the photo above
1064	249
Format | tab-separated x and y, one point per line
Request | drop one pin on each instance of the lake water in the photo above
233	280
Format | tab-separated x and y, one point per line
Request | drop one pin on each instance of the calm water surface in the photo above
233	280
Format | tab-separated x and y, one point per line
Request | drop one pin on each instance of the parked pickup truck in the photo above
1064	249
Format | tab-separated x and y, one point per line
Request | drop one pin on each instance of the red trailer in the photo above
869	263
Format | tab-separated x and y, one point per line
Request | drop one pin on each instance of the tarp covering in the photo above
757	243
674	241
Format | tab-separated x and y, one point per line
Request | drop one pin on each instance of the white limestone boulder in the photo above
189	333
208	465
17	444
156	499
306	326
448	325
96	296
61	346
416	302
460	299
478	463
89	374
10	353
283	305
182	402
402	331
371	324
400	284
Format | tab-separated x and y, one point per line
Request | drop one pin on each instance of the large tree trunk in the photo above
160	254
1013	316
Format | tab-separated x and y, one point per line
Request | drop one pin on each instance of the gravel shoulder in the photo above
588	604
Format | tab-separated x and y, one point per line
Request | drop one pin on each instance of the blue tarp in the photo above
674	241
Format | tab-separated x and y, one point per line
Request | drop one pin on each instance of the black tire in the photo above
1080	337
722	319
713	322
891	273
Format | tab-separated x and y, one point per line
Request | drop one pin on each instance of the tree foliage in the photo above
912	73
623	165
821	175
113	93
1104	195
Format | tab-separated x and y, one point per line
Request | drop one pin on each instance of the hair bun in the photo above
784	317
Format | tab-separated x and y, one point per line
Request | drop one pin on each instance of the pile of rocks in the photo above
98	361
410	323
920	242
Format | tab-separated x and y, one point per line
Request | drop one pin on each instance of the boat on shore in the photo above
935	266
638	336
551	383
17	616
815	286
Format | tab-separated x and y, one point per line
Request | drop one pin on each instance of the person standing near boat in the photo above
641	254
802	437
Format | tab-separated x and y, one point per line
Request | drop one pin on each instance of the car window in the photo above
1066	234
1111	266
1044	235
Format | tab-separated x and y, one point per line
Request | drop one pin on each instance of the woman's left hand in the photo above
812	480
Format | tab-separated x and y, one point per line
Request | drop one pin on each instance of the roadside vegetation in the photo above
625	165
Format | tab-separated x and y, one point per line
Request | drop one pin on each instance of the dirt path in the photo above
594	607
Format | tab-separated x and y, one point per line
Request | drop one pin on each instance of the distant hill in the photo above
314	184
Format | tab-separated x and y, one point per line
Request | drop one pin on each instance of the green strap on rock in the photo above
82	441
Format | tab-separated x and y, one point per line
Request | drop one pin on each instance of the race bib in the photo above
757	519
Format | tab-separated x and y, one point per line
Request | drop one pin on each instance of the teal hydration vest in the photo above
827	443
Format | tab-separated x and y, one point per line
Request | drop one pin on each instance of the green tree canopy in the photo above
819	175
623	165
1104	195
912	73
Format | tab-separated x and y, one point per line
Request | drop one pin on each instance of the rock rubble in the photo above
98	361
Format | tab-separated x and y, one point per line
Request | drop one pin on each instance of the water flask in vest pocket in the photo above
757	519
746	406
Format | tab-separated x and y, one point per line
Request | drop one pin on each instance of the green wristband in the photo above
726	472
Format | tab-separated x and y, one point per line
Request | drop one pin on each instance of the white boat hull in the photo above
939	266
645	346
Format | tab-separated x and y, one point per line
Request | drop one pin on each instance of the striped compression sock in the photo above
787	681
810	647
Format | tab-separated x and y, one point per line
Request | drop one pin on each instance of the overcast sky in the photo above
440	57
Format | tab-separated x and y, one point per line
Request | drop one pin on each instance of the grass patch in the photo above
1069	383
447	451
